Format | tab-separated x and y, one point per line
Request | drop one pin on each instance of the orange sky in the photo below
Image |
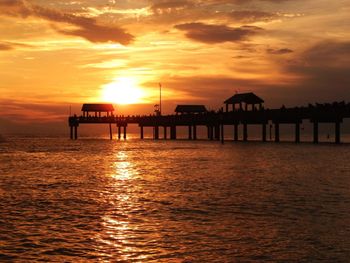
59	53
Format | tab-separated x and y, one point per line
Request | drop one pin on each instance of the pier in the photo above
241	110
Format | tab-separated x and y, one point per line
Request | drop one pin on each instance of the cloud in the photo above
280	51
212	34
241	2
5	46
323	73
24	111
166	5
23	117
328	53
319	74
211	90
87	28
171	11
249	16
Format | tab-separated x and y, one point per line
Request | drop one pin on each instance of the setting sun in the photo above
123	90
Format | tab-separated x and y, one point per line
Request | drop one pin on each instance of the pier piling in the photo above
119	132
222	134
264	132
156	132
277	132
245	132
141	132
315	132
110	132
173	132
297	132
235	135
217	132
211	132
189	132
337	132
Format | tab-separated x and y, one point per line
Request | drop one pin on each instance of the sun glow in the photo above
123	90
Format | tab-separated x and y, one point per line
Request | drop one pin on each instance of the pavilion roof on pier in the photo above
97	107
248	98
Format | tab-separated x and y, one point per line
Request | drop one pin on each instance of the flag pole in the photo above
160	99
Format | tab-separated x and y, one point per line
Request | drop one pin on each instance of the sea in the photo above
100	200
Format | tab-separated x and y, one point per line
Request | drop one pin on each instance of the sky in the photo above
56	55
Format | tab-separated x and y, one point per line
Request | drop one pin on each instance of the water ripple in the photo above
138	201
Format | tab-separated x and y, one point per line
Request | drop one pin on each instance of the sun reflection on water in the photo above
117	230
123	168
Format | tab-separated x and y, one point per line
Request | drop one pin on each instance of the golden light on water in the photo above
124	169
123	90
118	232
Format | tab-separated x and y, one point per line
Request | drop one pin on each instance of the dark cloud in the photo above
87	28
323	73
99	34
280	51
14	8
217	33
328	53
4	46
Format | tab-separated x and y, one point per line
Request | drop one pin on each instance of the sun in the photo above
123	90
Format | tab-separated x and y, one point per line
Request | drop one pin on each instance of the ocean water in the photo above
98	200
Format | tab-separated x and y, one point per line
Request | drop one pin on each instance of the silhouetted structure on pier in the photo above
98	109
244	98
193	116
